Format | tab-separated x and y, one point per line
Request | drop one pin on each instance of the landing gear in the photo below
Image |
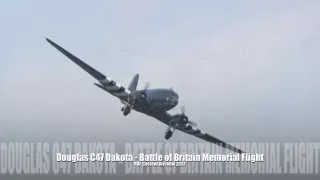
126	110
168	134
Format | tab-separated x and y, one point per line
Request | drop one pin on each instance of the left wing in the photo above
105	83
194	131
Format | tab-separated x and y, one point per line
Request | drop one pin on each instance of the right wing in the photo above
194	131
105	83
207	137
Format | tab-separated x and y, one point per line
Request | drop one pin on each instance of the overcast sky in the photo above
245	70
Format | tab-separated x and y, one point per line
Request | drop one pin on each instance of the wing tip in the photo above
49	40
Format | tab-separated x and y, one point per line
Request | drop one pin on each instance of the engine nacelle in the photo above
188	127
180	118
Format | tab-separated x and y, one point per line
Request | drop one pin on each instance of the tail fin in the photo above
134	83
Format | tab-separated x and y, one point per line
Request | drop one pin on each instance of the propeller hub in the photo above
184	118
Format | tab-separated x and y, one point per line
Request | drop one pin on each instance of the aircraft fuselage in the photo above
156	100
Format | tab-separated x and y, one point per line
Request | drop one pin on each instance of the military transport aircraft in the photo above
152	102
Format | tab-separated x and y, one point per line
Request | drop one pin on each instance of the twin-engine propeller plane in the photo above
152	102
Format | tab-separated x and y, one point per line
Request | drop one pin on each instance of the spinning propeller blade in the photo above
146	86
183	110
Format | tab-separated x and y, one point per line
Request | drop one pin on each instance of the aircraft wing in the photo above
104	82
207	137
194	131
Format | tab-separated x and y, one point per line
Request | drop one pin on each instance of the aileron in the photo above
96	74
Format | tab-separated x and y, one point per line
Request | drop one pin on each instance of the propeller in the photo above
146	86
132	88
183	110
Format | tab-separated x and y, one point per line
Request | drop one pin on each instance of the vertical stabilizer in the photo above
134	83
